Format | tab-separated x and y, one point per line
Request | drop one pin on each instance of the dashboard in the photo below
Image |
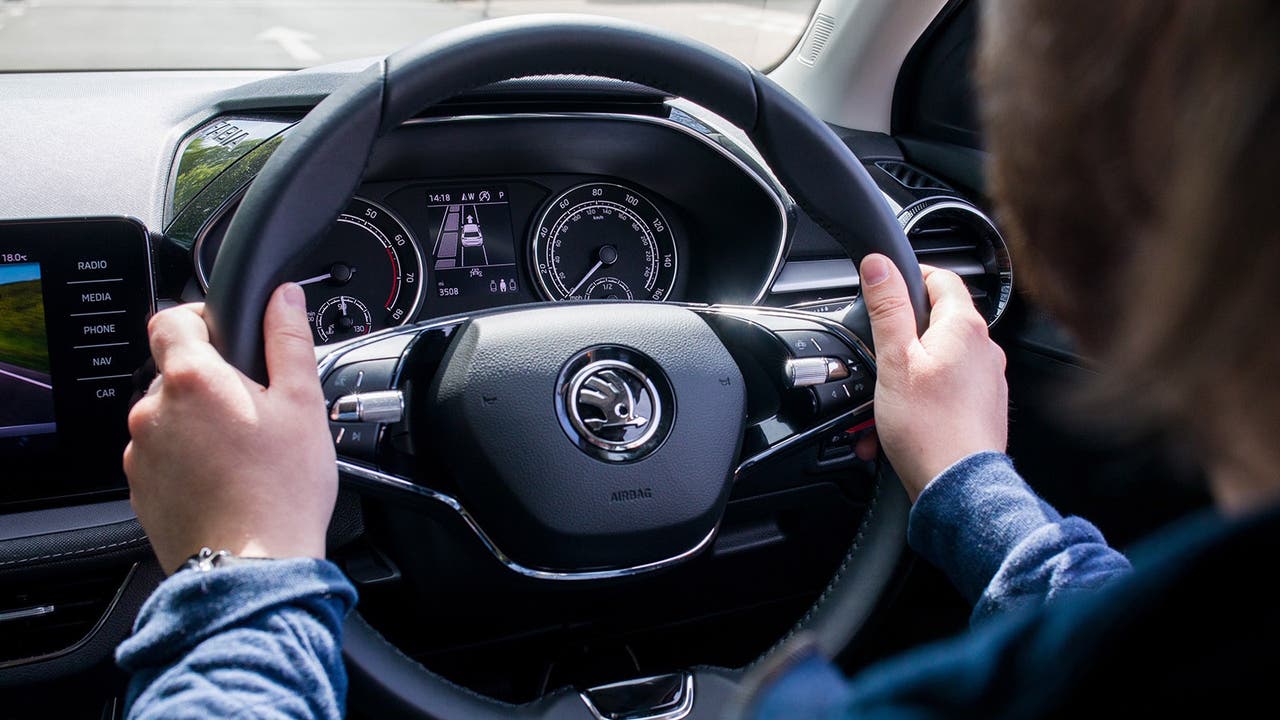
121	186
481	243
458	215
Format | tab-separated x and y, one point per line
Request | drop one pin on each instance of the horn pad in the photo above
590	436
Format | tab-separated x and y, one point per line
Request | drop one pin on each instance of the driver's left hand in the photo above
218	460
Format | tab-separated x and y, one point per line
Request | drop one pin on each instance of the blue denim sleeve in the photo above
1001	545
1004	548
257	639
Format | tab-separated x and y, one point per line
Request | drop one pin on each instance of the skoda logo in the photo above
613	405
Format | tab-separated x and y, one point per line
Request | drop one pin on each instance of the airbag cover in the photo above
545	502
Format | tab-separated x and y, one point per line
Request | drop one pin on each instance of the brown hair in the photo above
1135	166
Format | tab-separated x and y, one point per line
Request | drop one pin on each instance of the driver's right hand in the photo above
939	397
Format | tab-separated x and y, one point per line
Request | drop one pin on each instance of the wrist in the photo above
207	560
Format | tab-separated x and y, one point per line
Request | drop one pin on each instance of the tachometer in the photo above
364	276
603	241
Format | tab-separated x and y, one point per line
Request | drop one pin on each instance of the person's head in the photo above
1135	160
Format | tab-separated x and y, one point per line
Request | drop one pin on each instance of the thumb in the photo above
893	324
291	357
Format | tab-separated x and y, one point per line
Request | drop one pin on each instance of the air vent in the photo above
816	41
945	233
42	618
910	177
959	237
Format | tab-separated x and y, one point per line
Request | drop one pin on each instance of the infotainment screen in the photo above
26	389
75	297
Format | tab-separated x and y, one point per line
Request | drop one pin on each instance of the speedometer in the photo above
603	241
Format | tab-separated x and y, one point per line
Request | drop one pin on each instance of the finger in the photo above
291	356
893	323
176	330
948	296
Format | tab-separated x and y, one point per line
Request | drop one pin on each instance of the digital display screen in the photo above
26	385
473	247
75	297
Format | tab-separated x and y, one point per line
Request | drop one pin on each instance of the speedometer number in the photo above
604	241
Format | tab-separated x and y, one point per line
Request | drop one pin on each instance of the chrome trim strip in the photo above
27	612
953	204
93	631
231	201
373	478
677	713
725	149
810	275
947	204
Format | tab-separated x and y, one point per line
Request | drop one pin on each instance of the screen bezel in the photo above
84	462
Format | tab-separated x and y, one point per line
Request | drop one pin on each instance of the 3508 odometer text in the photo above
603	241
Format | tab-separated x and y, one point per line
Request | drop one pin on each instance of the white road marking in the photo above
16	376
293	42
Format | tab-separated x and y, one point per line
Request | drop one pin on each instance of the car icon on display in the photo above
471	235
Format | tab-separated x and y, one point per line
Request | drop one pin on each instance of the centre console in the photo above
75	298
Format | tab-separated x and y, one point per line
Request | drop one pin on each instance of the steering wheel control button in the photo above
383	406
814	343
806	372
661	697
833	397
357	377
355	440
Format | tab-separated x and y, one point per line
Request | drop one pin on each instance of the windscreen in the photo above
287	34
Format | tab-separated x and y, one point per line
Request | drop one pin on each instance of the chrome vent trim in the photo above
944	232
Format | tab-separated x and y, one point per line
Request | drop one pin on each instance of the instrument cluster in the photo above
406	251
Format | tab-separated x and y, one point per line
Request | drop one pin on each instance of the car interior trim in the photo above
106	613
374	479
682	701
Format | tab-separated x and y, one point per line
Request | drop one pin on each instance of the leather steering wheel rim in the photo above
311	176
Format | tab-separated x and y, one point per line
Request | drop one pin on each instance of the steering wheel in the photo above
646	399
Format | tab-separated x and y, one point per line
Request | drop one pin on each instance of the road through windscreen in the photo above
207	34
